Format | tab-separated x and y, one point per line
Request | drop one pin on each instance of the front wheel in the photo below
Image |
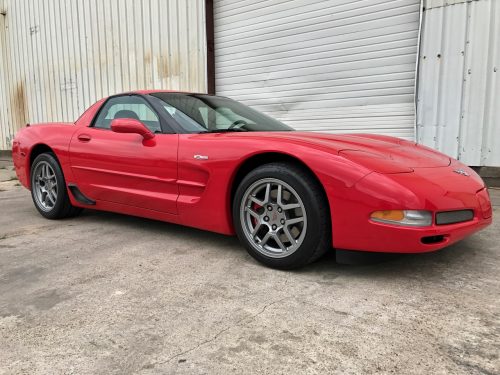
48	188
281	215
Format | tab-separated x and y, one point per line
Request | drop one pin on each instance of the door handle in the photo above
84	137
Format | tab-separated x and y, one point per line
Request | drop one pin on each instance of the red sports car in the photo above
212	163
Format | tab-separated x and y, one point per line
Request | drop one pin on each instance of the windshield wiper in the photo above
224	130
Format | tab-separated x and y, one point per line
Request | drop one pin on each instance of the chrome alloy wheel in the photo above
45	186
273	217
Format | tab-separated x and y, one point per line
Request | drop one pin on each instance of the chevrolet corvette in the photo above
212	163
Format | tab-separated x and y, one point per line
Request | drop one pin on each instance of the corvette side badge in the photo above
201	157
462	172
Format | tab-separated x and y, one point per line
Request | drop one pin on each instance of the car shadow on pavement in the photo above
160	228
333	264
454	259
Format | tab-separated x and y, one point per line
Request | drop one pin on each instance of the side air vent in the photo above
79	195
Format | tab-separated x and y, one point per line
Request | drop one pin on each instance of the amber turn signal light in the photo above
413	218
393	215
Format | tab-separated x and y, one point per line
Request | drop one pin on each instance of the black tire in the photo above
317	239
62	207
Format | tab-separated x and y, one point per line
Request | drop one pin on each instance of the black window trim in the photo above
165	125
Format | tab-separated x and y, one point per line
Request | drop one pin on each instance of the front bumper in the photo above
433	189
387	238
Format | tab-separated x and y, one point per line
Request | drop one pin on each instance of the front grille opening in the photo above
453	217
429	240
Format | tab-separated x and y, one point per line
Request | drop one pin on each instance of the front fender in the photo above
205	185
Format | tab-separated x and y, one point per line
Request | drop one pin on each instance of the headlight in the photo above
410	218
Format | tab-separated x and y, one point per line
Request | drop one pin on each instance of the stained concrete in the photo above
110	294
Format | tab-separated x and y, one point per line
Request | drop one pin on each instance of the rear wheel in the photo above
281	216
48	188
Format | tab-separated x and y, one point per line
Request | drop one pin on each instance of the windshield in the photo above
197	113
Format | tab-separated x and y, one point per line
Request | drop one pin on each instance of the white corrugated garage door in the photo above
332	65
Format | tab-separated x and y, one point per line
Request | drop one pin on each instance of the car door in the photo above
122	167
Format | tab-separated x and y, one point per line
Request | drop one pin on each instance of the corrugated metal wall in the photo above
60	56
5	129
459	83
331	65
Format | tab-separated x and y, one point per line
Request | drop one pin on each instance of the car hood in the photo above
379	153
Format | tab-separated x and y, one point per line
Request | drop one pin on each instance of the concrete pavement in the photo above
110	294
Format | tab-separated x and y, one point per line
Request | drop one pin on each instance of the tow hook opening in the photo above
430	240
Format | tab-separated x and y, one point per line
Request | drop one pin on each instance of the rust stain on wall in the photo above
147	58
20	107
175	68
163	66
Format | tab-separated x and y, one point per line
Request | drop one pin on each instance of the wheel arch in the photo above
38	149
263	158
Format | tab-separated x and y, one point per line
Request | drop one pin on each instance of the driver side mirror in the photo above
130	125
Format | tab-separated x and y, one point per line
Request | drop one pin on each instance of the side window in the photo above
184	120
129	106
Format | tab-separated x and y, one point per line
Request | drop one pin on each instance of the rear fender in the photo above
55	137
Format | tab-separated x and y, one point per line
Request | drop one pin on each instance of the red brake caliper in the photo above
255	207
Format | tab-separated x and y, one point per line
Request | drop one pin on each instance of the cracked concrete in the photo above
239	323
111	294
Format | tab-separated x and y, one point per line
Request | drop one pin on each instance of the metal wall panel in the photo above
5	129
459	84
60	56
330	65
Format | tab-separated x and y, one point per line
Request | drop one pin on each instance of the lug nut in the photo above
282	221
270	208
274	227
266	218
279	209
